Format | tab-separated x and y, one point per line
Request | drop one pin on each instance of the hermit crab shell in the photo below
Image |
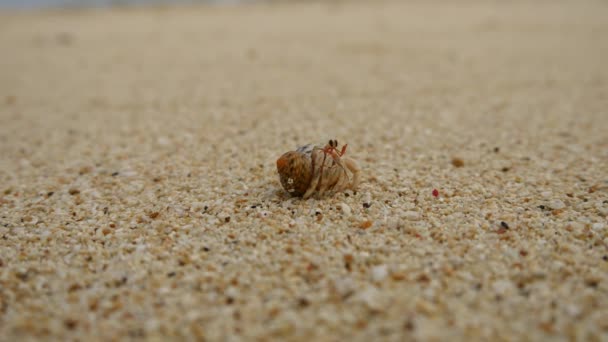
295	172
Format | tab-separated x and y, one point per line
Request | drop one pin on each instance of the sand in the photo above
139	196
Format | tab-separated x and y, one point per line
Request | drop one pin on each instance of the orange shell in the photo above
295	172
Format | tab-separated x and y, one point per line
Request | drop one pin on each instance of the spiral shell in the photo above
295	172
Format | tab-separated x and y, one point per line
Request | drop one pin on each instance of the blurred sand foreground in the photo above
139	197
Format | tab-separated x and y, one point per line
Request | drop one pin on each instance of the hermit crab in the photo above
317	168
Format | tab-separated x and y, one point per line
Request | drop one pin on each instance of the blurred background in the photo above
33	4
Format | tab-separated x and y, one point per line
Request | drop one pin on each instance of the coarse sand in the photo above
139	196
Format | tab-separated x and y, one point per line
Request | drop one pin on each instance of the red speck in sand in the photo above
435	192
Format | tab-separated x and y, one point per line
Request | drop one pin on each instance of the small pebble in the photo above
379	273
546	194
345	208
365	224
303	302
371	297
70	323
344	287
501	287
457	162
411	215
556	204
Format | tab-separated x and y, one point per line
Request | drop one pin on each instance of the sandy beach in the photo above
139	197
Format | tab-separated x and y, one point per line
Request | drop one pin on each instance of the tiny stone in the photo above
379	273
501	287
371	298
365	224
592	282
598	226
457	162
70	324
345	208
303	302
556	204
412	215
573	310
84	170
344	287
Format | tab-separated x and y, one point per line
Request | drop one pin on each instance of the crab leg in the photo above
354	168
